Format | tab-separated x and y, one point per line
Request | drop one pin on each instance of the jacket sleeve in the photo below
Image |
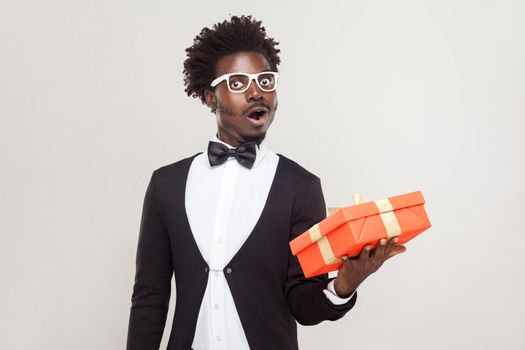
152	287
305	296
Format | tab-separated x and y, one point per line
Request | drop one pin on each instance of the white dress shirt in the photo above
234	196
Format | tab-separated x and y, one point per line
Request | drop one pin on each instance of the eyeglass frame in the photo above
251	76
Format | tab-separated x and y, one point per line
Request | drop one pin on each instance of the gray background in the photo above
376	97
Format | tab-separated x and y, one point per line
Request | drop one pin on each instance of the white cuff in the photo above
330	293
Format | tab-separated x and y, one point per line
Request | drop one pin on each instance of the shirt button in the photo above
219	338
216	306
228	270
216	273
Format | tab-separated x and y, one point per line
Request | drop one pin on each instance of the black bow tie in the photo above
218	153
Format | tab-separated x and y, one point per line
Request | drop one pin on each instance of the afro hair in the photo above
239	34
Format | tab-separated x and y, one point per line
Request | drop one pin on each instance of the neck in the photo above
236	143
231	142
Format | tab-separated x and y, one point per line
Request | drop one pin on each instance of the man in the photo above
221	220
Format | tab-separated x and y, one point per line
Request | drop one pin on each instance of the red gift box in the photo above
349	229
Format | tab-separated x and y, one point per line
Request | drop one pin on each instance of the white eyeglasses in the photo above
240	82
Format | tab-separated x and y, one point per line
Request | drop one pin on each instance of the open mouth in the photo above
258	115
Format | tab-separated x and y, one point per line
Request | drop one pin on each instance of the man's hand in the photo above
354	271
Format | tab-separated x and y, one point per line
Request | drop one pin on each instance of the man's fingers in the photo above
390	246
398	249
365	253
380	249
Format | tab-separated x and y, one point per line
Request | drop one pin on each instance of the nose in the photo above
254	93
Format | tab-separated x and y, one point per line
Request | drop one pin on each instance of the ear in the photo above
211	101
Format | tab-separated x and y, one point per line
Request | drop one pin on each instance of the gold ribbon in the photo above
324	245
315	233
326	251
386	212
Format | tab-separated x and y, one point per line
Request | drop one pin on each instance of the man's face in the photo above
236	120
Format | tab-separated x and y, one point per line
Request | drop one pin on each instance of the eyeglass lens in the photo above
240	82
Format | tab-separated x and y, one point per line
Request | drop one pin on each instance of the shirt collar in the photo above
260	150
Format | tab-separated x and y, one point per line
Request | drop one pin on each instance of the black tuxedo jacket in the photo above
268	287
